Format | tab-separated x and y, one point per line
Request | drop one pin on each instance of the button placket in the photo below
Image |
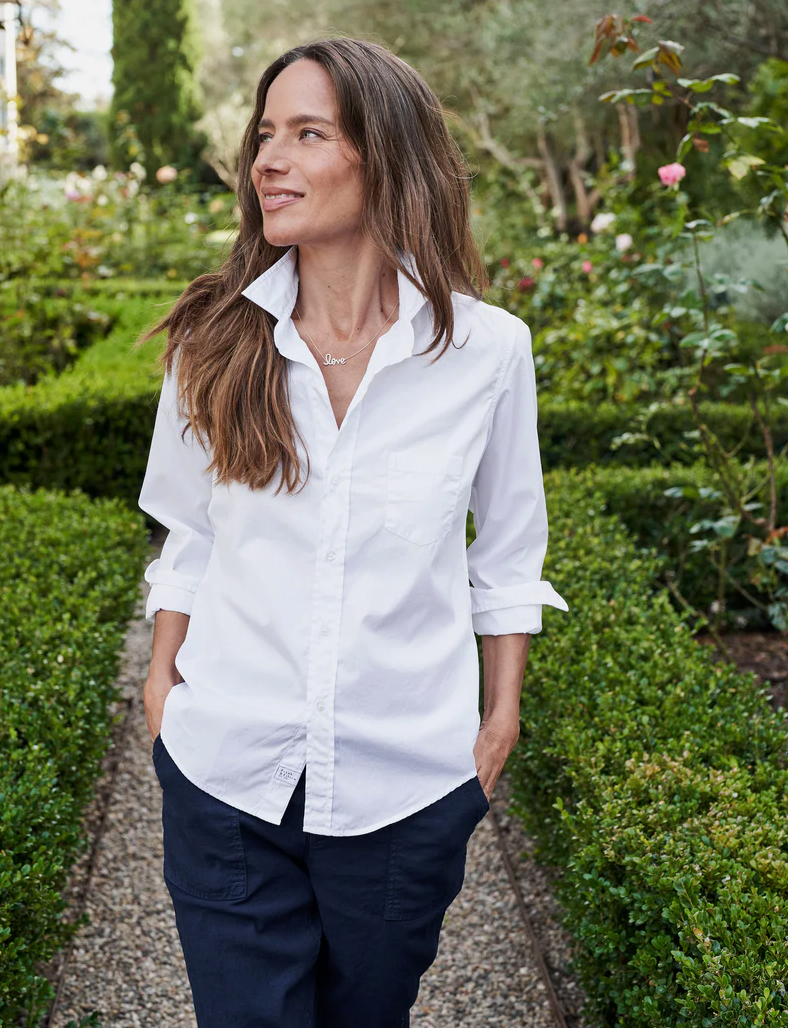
326	611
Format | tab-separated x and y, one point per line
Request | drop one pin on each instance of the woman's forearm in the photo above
169	631
504	659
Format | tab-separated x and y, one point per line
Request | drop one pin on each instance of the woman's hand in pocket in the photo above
494	743
157	686
169	631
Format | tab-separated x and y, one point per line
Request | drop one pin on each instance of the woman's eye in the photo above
261	137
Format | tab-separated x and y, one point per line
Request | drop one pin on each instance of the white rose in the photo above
602	221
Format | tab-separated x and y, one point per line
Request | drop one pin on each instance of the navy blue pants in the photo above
282	928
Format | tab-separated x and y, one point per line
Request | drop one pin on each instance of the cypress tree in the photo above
157	100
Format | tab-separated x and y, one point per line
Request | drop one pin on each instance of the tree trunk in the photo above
552	177
630	135
585	201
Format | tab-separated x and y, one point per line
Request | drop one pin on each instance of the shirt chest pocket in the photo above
421	495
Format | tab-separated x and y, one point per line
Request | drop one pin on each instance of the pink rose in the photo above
525	284
670	174
587	266
504	262
166	174
537	263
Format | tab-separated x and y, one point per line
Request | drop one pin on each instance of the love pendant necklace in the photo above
327	358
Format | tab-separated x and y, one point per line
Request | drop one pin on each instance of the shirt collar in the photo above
276	289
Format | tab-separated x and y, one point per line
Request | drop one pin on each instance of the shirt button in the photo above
335	480
324	630
319	705
330	555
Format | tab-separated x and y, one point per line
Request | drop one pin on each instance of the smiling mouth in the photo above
276	200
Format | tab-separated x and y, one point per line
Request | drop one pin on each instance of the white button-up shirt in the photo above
334	627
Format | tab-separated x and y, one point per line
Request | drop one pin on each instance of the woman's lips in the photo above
274	203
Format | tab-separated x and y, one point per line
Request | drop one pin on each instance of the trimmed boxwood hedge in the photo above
89	428
657	780
637	497
69	581
575	434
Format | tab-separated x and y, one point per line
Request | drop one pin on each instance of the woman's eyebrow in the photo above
295	119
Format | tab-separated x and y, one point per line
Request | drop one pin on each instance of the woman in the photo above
313	688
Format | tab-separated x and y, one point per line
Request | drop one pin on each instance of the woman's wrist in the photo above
501	727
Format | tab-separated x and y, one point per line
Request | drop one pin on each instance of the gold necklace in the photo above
327	358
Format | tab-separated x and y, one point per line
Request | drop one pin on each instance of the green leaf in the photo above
704	85
647	57
739	166
755	122
732	216
695	339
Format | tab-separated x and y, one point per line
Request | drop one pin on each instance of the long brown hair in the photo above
232	379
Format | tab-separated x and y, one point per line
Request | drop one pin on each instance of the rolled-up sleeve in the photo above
509	512
176	491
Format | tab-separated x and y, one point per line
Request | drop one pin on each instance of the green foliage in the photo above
578	433
69	571
657	780
156	99
90	427
674	511
101	226
43	328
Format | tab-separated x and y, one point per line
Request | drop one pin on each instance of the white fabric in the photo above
334	627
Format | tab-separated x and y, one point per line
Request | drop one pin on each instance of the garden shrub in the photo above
577	433
69	581
43	328
90	427
657	780
637	497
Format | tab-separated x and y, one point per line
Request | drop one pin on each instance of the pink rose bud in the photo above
166	174
587	266
537	263
504	262
670	174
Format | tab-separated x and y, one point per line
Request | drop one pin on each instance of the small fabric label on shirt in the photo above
286	774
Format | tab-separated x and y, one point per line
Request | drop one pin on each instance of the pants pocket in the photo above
426	865
203	848
156	749
485	803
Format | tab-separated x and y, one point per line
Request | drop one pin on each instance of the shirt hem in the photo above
257	811
400	817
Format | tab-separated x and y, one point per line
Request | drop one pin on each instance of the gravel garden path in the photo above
126	962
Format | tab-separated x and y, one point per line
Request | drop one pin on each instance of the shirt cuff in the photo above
528	593
168	597
509	620
506	609
169	590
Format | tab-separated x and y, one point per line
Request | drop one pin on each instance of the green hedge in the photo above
657	779
575	434
69	581
637	497
89	428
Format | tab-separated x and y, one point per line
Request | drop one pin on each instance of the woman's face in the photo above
308	157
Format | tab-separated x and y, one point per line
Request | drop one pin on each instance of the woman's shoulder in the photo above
487	321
